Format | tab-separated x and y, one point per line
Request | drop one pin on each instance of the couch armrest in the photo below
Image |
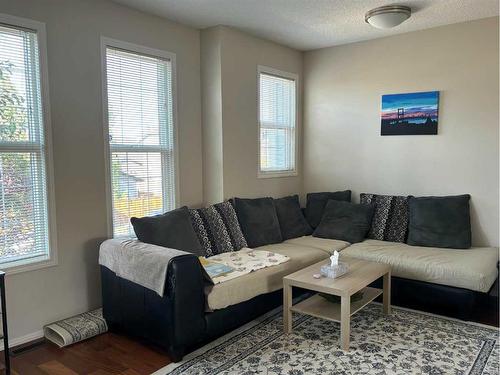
174	321
185	291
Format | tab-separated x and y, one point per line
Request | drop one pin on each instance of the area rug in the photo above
405	342
75	329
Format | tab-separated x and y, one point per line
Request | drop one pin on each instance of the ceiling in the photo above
311	24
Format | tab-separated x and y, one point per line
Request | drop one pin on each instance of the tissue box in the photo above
335	271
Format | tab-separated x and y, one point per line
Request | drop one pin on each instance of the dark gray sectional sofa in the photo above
454	282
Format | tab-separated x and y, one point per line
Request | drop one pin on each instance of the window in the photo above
277	123
25	236
140	119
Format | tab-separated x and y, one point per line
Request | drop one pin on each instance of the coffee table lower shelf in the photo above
319	307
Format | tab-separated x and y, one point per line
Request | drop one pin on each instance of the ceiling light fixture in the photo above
387	16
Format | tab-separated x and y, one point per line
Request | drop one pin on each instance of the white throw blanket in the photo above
244	261
139	262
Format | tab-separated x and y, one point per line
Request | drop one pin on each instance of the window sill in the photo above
25	265
277	174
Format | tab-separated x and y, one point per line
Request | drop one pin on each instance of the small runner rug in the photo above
405	342
77	328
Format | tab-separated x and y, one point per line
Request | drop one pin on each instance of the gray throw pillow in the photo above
345	221
258	221
173	229
292	222
440	222
316	203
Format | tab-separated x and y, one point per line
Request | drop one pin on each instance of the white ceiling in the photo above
310	24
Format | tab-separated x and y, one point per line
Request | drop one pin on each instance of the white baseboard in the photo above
23	339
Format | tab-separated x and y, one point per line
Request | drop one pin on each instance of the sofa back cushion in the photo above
217	228
345	221
292	222
258	220
390	220
316	203
440	222
172	229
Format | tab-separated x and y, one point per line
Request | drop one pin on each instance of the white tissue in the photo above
334	259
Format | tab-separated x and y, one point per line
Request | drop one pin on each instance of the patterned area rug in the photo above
77	328
406	342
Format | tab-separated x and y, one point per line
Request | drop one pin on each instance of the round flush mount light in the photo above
387	16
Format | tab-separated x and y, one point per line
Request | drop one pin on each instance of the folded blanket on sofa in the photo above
139	262
239	263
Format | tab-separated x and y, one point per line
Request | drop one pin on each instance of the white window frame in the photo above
291	76
50	259
157	53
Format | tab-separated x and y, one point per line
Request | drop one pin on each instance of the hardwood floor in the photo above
102	355
110	353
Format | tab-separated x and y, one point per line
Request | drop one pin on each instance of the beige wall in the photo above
344	149
74	29
240	55
211	85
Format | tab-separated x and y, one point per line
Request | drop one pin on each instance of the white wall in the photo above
239	55
343	148
74	28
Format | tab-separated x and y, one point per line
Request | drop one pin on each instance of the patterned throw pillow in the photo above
390	221
217	228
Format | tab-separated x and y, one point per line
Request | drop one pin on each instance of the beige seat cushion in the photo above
265	280
320	243
474	269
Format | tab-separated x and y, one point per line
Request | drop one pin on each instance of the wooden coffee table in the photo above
361	274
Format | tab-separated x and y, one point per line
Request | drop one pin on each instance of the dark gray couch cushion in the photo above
316	203
172	229
345	221
292	222
440	222
258	221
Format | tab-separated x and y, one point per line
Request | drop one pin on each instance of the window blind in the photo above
24	227
277	123
141	136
